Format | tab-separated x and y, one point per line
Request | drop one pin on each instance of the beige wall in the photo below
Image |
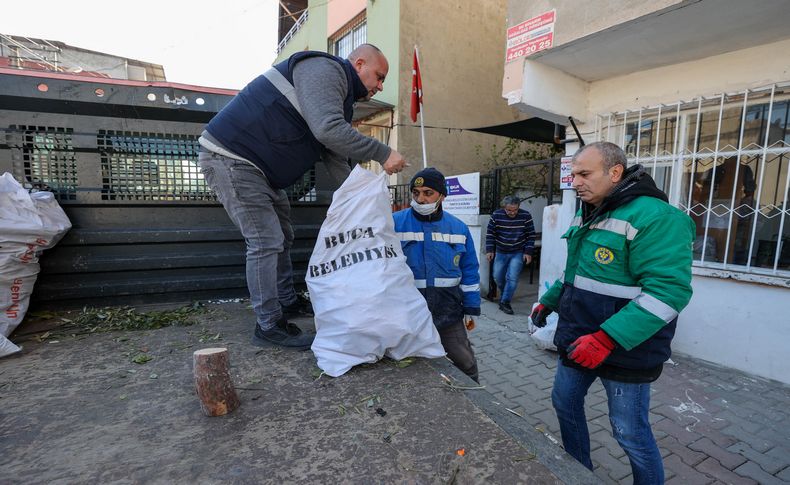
462	49
340	12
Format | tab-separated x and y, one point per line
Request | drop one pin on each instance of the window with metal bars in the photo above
354	34
150	166
48	160
303	190
724	160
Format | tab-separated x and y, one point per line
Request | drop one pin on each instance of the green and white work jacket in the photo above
628	272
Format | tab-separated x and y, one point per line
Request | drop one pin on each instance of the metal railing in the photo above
725	160
293	30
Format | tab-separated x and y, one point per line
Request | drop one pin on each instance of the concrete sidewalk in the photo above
713	424
87	409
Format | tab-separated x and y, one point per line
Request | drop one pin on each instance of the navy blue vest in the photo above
261	125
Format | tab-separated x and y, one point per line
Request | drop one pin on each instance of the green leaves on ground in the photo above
109	319
142	358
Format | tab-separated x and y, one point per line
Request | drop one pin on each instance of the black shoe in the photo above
505	307
282	337
299	308
290	328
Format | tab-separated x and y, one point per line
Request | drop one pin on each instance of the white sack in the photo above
29	224
543	338
363	294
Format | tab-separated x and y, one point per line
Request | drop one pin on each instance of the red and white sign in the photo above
531	36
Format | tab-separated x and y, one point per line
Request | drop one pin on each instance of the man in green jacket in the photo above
627	276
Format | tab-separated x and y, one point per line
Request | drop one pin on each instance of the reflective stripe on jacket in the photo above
628	272
262	126
441	254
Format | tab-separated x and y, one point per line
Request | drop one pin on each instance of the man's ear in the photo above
617	173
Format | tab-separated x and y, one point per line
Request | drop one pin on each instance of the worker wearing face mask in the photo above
441	254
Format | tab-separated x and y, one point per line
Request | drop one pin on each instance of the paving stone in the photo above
613	466
784	475
677	431
603	475
697	410
687	455
603	437
684	474
726	459
711	467
770	462
548	417
752	470
745	423
758	443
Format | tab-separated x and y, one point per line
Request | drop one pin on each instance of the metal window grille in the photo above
724	160
354	34
150	166
303	190
400	196
48	160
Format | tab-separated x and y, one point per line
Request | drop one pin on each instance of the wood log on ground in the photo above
213	382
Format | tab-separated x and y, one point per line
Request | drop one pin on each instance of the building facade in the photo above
460	75
25	53
699	93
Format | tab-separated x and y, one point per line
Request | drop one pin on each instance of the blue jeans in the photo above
263	215
507	268
628	414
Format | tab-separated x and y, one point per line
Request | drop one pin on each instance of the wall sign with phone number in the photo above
530	36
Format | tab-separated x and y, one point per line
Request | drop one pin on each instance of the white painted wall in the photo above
741	325
731	72
733	323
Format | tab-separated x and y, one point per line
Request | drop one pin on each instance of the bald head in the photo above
372	67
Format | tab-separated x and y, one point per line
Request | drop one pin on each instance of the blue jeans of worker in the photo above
507	268
628	414
263	215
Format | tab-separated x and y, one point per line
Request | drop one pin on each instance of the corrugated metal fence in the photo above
122	161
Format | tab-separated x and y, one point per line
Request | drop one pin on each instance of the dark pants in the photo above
456	343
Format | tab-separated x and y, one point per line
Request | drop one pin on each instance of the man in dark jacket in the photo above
510	241
441	254
627	276
268	137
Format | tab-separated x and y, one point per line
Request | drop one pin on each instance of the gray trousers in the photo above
263	215
456	343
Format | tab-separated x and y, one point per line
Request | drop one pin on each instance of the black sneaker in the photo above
505	307
301	307
282	337
290	328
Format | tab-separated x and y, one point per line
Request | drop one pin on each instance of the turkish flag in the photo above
416	88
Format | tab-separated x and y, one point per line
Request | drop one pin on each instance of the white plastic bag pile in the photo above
29	224
544	337
363	294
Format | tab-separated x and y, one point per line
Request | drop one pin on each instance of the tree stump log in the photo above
213	383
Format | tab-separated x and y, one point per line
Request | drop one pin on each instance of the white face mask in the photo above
424	209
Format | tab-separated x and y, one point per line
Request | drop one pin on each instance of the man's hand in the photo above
539	315
527	259
395	163
591	350
490	257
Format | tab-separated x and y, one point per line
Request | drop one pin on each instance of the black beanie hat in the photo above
429	177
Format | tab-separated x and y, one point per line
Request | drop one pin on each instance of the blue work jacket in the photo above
441	254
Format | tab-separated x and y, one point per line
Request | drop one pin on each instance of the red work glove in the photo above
591	350
539	315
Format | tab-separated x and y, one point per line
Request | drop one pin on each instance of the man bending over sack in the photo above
441	254
274	131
